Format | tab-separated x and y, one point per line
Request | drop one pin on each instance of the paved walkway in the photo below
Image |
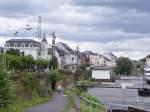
58	104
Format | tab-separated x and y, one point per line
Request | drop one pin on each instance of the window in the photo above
8	45
30	45
15	45
23	45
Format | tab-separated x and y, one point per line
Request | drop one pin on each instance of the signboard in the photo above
101	74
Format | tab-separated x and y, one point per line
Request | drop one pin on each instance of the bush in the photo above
30	83
6	92
53	77
92	80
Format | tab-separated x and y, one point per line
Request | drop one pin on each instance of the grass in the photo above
20	105
71	102
70	105
85	108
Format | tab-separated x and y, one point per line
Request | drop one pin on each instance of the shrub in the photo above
6	92
30	83
53	77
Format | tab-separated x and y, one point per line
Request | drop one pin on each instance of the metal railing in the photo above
90	106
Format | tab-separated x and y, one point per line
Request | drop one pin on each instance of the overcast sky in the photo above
118	26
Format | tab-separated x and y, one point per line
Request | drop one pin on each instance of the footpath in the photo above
57	104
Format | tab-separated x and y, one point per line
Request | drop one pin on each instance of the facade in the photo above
71	61
95	59
67	58
31	47
101	73
28	46
110	59
60	58
109	62
1	49
83	59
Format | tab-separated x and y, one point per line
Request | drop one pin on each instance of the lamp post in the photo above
53	48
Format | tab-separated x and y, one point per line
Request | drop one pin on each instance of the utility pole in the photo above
39	39
39	29
5	55
77	68
53	48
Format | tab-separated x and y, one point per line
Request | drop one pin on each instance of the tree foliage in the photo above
14	51
30	83
23	63
6	92
53	77
123	66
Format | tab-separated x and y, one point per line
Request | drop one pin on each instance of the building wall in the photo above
110	63
96	60
70	59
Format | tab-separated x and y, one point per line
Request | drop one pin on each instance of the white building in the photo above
67	58
95	59
31	47
110	59
28	46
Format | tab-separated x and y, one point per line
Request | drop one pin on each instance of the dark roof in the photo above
25	41
21	40
60	52
64	47
90	53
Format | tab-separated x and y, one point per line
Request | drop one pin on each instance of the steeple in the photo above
44	40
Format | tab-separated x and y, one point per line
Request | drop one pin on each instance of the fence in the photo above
90	106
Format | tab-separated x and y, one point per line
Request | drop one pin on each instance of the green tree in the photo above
13	51
53	77
123	66
30	82
6	92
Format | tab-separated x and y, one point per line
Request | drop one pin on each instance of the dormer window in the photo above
23	45
15	45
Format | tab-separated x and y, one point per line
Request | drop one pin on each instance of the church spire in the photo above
44	38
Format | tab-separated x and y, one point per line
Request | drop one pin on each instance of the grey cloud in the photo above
140	5
23	8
